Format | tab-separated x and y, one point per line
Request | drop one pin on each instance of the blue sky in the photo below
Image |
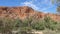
40	5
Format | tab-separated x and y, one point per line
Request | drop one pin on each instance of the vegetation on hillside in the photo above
17	26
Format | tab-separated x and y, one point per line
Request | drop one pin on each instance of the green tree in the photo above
57	2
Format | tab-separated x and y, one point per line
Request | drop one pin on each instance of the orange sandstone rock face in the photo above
16	12
24	12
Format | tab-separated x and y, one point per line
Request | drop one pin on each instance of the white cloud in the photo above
35	4
30	4
48	3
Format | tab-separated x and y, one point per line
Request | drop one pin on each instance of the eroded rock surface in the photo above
24	12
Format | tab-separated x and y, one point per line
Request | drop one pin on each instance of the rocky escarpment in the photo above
24	12
16	12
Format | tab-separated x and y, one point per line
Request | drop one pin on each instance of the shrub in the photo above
49	23
9	25
38	25
6	25
46	23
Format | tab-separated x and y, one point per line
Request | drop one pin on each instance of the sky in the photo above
39	5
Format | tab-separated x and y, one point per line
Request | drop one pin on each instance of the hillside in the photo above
24	12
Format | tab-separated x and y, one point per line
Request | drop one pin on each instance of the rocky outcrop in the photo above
16	12
24	12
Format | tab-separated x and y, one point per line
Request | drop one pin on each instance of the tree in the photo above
58	4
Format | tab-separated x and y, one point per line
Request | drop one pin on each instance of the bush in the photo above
6	25
46	23
49	23
9	25
39	25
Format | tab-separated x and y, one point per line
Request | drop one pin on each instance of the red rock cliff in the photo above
24	12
